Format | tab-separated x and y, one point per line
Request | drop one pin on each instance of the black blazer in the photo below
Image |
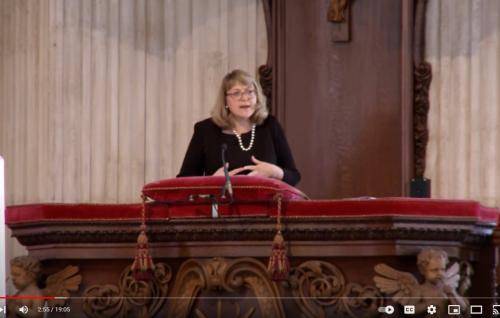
203	156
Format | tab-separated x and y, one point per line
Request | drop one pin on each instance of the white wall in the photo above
462	46
98	97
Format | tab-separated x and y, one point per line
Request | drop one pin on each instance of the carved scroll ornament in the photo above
422	78
318	286
266	82
130	298
243	275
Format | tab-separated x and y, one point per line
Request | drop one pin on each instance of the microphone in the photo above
227	185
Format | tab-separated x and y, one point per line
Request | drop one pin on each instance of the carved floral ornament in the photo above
317	288
209	288
243	276
131	298
320	288
242	288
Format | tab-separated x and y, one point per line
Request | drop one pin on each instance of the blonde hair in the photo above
220	115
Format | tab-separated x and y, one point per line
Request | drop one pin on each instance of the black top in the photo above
203	156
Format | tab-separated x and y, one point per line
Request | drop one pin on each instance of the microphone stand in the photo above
227	187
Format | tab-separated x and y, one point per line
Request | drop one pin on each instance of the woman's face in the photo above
241	100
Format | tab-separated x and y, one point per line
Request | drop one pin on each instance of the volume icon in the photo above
23	309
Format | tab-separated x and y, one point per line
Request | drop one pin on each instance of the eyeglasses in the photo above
239	94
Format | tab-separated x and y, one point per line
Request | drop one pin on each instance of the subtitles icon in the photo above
453	309
409	309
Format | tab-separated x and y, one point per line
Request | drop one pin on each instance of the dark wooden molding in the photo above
266	71
271	74
422	79
407	99
266	82
258	229
419	31
268	7
280	60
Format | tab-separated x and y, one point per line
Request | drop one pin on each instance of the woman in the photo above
256	144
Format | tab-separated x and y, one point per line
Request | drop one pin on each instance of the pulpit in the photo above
206	266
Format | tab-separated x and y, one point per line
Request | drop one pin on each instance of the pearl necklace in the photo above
240	142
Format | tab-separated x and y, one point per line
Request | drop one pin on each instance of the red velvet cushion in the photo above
418	208
245	188
32	213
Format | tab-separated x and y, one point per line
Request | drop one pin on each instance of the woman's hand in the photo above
220	171
264	169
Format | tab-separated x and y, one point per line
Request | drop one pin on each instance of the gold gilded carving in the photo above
222	275
438	290
131	298
336	11
318	286
25	271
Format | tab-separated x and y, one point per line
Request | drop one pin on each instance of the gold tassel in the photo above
279	265
143	267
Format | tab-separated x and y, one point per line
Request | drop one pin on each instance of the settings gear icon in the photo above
431	309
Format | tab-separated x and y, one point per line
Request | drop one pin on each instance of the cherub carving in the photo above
25	271
438	289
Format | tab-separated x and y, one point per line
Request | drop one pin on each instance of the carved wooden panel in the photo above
240	278
343	105
129	298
